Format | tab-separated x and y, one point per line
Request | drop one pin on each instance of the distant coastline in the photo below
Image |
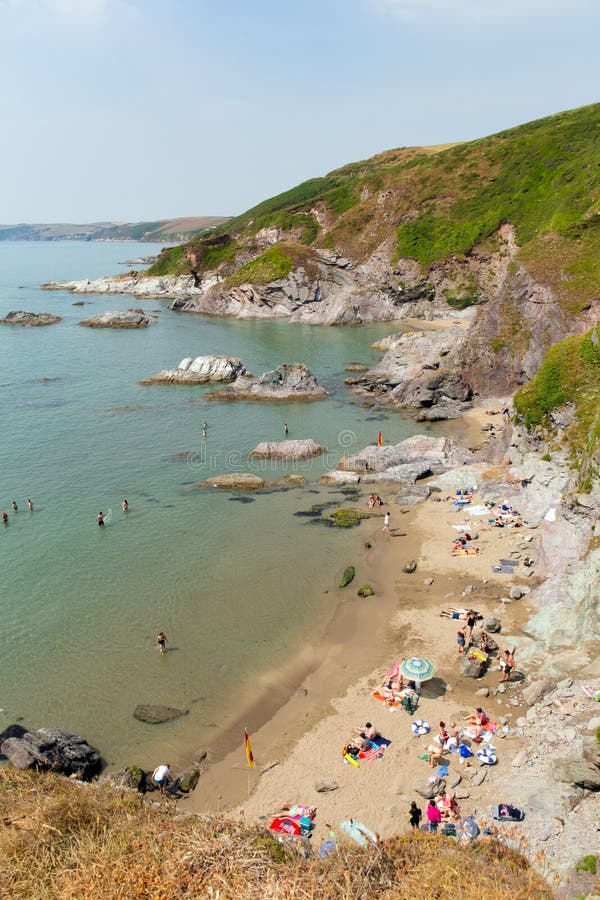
169	231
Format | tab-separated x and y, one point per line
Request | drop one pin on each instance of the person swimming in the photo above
100	518
14	506
124	505
5	518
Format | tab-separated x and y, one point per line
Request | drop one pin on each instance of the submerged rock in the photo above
288	450
234	481
155	714
339	477
286	382
200	370
53	749
343	518
366	591
120	318
21	317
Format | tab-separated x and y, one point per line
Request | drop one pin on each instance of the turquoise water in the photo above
234	586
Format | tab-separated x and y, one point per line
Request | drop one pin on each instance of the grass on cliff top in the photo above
570	374
271	265
61	839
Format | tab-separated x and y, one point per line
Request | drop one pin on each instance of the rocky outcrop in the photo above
338	477
138	284
200	370
235	481
286	382
288	450
407	461
53	749
22	317
120	318
418	372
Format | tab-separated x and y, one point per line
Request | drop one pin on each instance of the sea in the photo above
237	582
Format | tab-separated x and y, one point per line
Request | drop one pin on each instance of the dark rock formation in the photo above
53	749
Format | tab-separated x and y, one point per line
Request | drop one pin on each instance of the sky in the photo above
128	110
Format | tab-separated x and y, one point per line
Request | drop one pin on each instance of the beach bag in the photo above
449	830
470	828
464	751
504	812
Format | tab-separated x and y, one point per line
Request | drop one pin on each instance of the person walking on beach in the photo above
100	519
414	816
161	642
161	777
509	664
386	522
30	504
434	815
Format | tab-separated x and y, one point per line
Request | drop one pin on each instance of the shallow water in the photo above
236	586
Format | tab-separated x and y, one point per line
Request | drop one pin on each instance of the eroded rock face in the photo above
120	318
412	458
22	317
288	450
200	370
53	749
286	382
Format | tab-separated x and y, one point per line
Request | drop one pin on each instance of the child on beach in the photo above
386	522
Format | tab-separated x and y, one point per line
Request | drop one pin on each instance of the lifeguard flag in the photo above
248	750
380	439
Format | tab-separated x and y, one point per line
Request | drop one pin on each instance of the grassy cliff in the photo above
436	203
62	839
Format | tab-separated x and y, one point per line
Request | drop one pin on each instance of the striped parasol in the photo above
416	669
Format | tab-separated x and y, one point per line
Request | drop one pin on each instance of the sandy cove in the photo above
306	735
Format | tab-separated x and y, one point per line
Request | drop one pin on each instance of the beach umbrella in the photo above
416	669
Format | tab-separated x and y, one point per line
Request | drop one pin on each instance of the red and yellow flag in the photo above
380	439
248	749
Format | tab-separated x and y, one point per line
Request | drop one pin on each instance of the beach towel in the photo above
386	697
376	751
466	551
477	510
285	825
359	832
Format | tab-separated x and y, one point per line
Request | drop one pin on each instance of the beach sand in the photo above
305	736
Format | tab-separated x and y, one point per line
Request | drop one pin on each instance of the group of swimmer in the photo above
15	508
102	516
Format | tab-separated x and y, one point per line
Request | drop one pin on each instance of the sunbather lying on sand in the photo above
454	612
465	551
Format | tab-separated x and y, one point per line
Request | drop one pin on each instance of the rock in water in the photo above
53	749
200	370
21	317
288	450
120	318
234	481
156	714
286	382
366	591
347	577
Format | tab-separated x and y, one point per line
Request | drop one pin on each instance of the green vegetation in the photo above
62	839
366	591
348	576
569	375
171	261
463	295
343	518
587	864
547	457
269	266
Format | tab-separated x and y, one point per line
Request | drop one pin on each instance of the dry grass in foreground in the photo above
62	839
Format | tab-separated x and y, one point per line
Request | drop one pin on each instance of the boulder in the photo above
336	476
472	668
492	625
53	749
534	692
200	370
420	454
517	591
155	714
289	481
366	591
13	731
410	567
288	450
416	494
343	518
21	317
120	318
286	382
132	778
430	789
235	481
348	576
579	772
188	780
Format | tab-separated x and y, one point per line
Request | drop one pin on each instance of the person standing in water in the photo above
161	642
204	427
125	505
5	518
286	430
100	519
30	504
14	506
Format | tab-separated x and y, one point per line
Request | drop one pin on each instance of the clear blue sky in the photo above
145	109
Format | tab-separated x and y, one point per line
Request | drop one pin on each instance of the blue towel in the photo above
443	771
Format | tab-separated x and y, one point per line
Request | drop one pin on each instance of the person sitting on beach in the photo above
448	807
435	753
477	720
361	743
484	642
454	736
443	734
367	731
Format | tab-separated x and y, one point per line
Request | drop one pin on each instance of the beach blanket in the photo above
387	697
466	551
477	510
378	748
